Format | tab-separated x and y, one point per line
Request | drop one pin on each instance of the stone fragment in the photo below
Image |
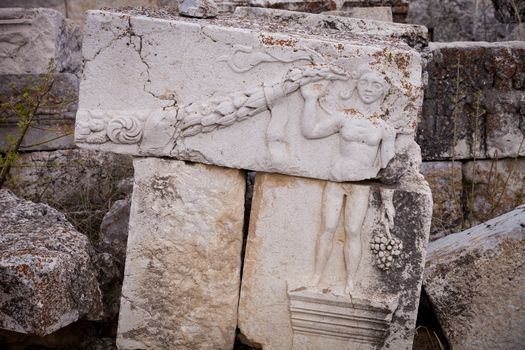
114	229
288	299
76	10
111	245
475	111
81	183
382	13
414	35
30	38
58	5
198	8
398	7
446	182
245	107
475	280
47	270
54	123
465	20
181	283
493	187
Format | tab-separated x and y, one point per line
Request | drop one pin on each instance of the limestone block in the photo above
493	187
446	182
29	38
76	9
314	275
198	8
182	275
475	280
478	106
53	125
465	20
47	269
293	103
399	7
58	5
382	13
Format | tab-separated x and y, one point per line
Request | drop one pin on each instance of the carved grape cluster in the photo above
386	250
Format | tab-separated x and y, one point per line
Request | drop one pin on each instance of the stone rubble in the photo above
475	281
47	270
198	8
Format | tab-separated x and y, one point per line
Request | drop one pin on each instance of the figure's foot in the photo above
349	288
314	280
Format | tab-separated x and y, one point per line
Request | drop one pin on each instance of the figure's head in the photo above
371	86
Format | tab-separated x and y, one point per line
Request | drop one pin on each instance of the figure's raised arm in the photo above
311	127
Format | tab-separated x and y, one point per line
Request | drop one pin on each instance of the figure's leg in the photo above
332	204
356	207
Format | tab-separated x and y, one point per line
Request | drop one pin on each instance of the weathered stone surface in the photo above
53	125
198	8
76	9
509	11
288	298
111	245
371	13
463	20
47	270
480	106
245	108
80	183
446	182
413	35
476	283
493	187
181	284
58	5
398	7
29	38
114	229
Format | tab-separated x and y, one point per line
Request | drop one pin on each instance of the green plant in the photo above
22	104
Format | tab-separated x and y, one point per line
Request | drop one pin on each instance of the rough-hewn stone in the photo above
446	182
463	20
478	108
114	229
82	184
493	187
53	125
475	280
30	38
198	8
47	274
76	9
371	13
181	284
285	223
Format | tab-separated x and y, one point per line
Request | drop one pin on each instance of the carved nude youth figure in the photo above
366	144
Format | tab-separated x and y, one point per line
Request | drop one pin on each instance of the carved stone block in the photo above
333	266
181	283
29	38
314	102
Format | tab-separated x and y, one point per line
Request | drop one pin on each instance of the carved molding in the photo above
325	315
